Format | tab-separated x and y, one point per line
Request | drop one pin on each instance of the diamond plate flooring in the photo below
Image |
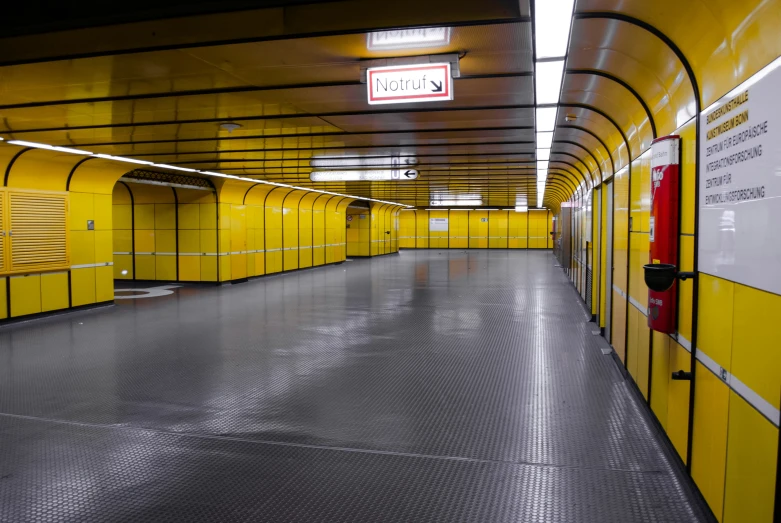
429	386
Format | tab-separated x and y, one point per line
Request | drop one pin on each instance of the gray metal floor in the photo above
429	386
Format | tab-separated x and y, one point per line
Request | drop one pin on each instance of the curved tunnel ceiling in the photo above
633	73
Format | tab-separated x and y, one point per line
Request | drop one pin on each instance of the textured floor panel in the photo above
66	472
483	358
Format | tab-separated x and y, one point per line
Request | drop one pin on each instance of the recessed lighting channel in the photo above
552	23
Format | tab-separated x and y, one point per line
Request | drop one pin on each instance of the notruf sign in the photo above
409	83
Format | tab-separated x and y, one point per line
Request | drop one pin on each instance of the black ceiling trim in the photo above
340	167
605	74
227	90
577	169
576	144
341	148
585	130
308	135
608	118
75	56
286	116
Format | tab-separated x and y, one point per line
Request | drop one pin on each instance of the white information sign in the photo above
437	224
416	38
409	83
377	175
740	185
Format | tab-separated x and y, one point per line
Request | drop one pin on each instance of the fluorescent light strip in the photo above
544	140
176	168
453	203
122	159
187	169
521	208
35	145
548	81
552	24
546	119
552	20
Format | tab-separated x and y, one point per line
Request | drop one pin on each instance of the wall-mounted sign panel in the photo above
394	162
740	186
377	175
409	83
417	38
437	225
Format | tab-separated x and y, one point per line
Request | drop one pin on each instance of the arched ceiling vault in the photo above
633	73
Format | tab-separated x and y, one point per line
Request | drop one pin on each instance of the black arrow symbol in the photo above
411	161
437	86
410	174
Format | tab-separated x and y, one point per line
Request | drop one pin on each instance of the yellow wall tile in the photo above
752	457
103	212
83	286
165	268
678	400
3	299
189	268
660	376
122	216
145	267
144	216
82	247
123	262
709	443
81	210
189	216
54	291
104	248
756	352
715	318
104	284
25	295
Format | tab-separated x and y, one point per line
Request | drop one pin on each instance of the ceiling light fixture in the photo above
552	19
415	38
548	81
187	169
230	126
176	168
397	162
374	175
546	118
35	145
122	159
521	208
544	140
453	203
552	24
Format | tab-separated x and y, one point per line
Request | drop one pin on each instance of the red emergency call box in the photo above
663	230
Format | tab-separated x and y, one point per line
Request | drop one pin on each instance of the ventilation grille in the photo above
38	225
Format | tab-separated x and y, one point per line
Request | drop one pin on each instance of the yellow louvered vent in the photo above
38	226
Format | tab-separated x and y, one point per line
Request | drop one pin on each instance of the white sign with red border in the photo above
409	83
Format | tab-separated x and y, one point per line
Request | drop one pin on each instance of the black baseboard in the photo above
53	314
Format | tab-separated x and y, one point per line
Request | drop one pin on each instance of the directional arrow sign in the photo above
376	175
409	83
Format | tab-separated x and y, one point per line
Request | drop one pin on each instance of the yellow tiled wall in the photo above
477	229
89	278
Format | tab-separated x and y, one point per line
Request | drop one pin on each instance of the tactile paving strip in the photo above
430	386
